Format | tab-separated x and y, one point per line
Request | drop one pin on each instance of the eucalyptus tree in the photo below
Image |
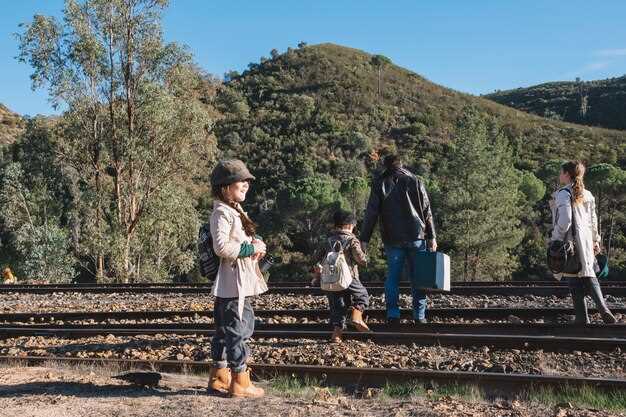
130	126
380	61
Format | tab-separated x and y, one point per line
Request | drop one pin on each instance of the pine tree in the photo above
480	210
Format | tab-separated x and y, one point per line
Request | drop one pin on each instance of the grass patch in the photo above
417	389
299	387
405	390
584	397
465	391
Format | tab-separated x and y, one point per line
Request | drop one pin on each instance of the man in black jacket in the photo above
401	202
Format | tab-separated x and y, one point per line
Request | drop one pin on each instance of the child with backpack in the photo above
338	274
238	278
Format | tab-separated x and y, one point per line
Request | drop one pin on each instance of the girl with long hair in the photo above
238	279
574	219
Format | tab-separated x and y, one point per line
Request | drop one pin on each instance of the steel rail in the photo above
352	377
547	343
546	291
496	313
374	283
456	284
532	329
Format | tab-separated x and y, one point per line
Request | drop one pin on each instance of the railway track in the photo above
532	329
543	291
310	314
355	378
406	284
548	283
503	341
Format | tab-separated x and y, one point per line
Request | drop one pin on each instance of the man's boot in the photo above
219	380
336	336
241	386
357	320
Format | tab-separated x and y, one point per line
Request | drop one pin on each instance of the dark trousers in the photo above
579	288
229	344
354	296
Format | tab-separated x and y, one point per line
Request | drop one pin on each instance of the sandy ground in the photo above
51	391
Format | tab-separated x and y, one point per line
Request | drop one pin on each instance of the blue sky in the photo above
472	46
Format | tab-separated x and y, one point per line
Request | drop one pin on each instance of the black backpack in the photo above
208	260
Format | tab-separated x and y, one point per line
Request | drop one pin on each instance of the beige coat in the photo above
586	227
236	277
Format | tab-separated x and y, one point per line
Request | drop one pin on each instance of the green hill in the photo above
341	83
594	103
11	125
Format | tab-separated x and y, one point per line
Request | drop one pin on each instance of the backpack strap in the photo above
571	199
333	245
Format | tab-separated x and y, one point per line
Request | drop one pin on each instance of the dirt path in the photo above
48	391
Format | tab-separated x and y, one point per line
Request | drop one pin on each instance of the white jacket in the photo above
586	226
236	277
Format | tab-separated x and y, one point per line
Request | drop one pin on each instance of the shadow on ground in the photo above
90	390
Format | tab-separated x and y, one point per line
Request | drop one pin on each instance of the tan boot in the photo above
219	380
357	320
336	336
241	386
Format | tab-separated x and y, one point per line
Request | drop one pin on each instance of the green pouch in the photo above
603	263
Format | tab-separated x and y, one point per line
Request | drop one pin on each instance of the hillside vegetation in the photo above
595	103
11	125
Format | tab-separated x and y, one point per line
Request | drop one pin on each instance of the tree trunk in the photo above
100	269
115	151
610	240
138	268
475	265
126	259
465	265
130	114
96	164
600	211
159	257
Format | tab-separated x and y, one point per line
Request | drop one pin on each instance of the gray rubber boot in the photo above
577	289
593	288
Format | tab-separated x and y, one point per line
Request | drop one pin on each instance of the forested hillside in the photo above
595	103
11	125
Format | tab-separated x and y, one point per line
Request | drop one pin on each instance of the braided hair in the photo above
249	226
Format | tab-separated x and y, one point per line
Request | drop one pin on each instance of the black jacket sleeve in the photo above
371	213
427	213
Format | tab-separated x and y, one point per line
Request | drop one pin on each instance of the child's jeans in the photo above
354	296
228	345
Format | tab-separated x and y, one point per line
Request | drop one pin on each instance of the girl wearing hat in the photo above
574	218
238	279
